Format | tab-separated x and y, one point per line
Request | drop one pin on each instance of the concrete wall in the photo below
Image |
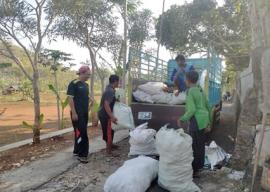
266	144
246	82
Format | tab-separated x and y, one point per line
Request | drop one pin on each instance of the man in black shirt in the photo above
78	94
105	113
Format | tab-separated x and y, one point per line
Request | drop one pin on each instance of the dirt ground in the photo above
11	129
92	176
18	157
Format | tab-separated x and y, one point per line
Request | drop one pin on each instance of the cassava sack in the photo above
142	96
176	155
169	98
135	175
142	141
124	117
152	88
177	100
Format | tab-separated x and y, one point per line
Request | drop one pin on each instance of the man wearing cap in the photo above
78	95
178	75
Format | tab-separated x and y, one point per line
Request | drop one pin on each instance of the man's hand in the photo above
177	93
114	120
179	124
74	116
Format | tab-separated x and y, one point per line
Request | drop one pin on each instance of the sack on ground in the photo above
142	141
176	155
135	175
152	88
124	117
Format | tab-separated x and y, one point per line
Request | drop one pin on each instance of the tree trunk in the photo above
36	128
57	101
102	84
125	48
93	74
94	67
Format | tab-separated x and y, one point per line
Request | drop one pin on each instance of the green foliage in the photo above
26	90
64	103
5	65
89	23
27	125
193	27
118	70
140	24
41	119
52	88
54	59
95	107
228	78
132	5
30	126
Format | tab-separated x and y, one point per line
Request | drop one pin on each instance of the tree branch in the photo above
13	35
15	59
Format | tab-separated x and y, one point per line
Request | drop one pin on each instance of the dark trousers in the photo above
81	142
198	145
104	120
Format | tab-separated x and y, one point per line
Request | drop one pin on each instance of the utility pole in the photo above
125	49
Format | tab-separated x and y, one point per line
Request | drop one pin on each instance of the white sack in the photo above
135	175
124	117
169	98
162	97
142	126
215	154
120	94
142	96
177	100
142	135
152	88
142	141
176	155
142	149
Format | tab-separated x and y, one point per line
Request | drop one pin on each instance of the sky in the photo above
81	54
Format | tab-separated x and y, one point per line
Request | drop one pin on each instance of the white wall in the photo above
246	82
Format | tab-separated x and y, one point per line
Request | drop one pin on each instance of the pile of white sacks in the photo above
174	169
152	92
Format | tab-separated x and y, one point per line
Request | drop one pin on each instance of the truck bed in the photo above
157	115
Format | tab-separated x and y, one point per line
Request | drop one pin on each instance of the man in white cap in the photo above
78	94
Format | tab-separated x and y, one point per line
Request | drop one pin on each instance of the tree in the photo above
140	25
89	23
125	7
54	59
193	27
22	23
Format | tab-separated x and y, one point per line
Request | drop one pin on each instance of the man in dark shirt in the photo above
105	113
78	94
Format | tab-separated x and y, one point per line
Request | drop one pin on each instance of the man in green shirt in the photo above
198	114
